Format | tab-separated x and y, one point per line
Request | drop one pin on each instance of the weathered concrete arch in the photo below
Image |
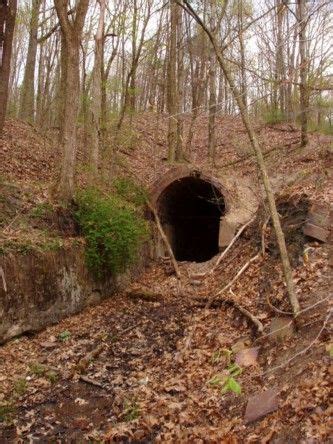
192	206
181	172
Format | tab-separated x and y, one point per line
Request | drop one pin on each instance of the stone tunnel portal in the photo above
190	209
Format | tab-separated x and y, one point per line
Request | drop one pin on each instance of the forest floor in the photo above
160	359
155	375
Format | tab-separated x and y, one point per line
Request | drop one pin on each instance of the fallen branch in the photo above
263	230
265	154
2	273
240	308
142	294
240	231
90	381
247	313
165	240
277	310
292	320
304	349
85	361
233	280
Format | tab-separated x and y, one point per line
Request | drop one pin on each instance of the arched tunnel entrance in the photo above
190	209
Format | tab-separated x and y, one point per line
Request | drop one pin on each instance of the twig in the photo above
233	280
263	230
292	320
240	231
277	310
290	312
246	313
3	279
304	349
165	240
11	222
240	308
90	381
85	361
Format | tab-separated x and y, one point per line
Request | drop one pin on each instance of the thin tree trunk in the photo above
27	107
304	100
96	90
71	37
172	84
7	24
260	161
212	90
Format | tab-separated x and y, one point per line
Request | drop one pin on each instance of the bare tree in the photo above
303	90
96	90
27	105
71	31
174	142
8	10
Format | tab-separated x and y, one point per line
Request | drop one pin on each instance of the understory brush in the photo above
114	231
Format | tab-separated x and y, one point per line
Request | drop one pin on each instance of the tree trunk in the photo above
27	106
71	37
212	90
96	91
7	24
304	99
172	96
261	164
280	71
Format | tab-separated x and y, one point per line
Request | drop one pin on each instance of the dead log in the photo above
90	381
143	294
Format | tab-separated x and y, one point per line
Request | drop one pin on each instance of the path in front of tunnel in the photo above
150	380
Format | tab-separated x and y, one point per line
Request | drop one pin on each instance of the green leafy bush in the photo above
113	229
128	190
273	115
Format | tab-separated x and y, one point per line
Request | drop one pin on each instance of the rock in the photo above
241	344
247	357
226	233
319	222
260	405
281	328
196	282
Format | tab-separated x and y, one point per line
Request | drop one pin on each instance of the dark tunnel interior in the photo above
190	209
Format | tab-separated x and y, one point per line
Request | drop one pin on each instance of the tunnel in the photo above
190	209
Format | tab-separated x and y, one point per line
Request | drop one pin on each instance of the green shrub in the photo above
41	210
323	128
20	386
6	412
273	115
128	190
113	229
